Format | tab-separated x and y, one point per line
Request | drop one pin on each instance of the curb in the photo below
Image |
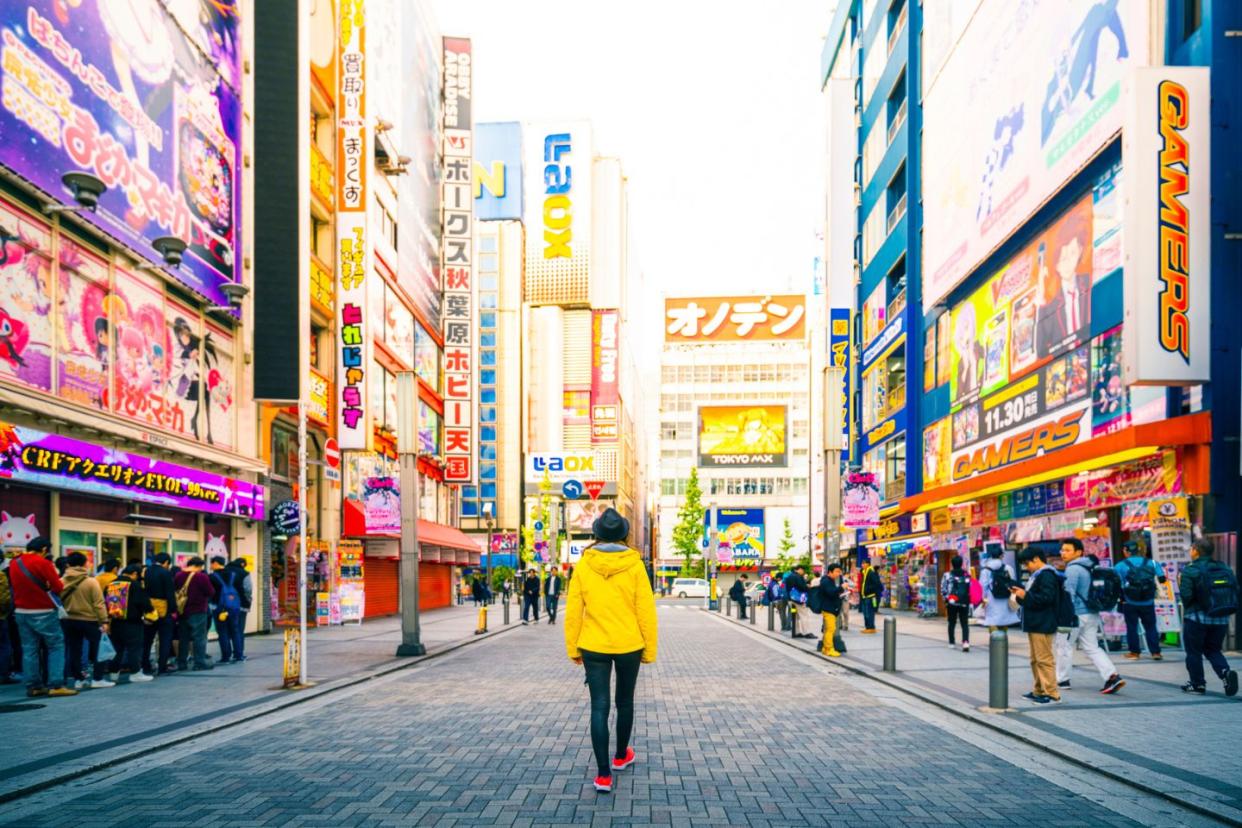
273	705
989	721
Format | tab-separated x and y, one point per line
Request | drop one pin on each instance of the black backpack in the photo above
1066	617
1218	591
959	590
1105	590
1001	582
1140	582
815	601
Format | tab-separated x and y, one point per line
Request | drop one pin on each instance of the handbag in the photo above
61	612
106	651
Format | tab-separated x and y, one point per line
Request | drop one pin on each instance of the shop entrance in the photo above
100	544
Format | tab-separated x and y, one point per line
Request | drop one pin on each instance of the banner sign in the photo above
699	320
1044	86
146	97
42	459
605	394
861	502
739	535
1166	153
498	171
1169	518
460	425
742	435
1068	427
353	266
839	357
558	160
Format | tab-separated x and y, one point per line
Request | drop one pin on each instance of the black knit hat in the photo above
39	544
610	526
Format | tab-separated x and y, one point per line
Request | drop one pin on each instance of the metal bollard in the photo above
482	626
998	670
753	613
506	603
793	620
771	617
890	644
728	604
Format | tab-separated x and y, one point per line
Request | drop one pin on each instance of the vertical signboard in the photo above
558	211
1165	149
605	397
498	171
457	264
839	357
353	248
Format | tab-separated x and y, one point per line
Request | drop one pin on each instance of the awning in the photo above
437	543
1191	434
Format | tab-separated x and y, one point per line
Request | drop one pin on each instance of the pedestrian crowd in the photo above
64	629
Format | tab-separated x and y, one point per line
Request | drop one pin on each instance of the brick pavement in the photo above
1149	730
727	733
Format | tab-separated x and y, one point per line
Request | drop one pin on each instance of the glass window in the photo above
487	471
487	377
487	262
489	490
487	340
487	451
469	492
487	413
487	319
487	300
488	282
487	434
487	358
487	395
469	508
487	244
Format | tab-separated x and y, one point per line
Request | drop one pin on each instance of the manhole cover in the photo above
20	707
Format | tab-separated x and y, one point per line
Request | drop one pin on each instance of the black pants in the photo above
76	632
598	677
1146	615
741	607
127	640
530	603
164	630
963	612
1204	641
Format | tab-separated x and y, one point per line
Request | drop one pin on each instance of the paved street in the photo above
731	730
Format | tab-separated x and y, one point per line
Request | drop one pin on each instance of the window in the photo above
943	344
487	377
895	198
895	469
896	288
1192	17
487	414
487	281
487	395
929	358
488	300
488	358
284	452
469	508
488	490
895	107
487	244
487	340
487	262
470	492
487	319
487	471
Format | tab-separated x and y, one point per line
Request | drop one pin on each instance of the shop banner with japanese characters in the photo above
605	396
146	97
839	357
36	457
353	247
700	320
861	502
457	264
1170	529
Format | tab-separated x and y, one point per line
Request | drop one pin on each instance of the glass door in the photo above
111	546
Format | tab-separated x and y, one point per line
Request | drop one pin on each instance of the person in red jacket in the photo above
36	585
195	616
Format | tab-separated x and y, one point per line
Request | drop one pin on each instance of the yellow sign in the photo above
742	435
941	520
293	658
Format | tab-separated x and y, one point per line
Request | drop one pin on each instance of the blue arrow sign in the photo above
572	489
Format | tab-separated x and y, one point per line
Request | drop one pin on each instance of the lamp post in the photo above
489	519
407	455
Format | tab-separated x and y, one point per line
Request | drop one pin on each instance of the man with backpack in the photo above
775	594
227	581
955	588
827	599
129	608
1093	589
157	581
1209	592
1139	575
36	588
737	594
996	577
1040	601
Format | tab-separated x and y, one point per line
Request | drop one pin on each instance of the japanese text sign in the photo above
734	319
605	395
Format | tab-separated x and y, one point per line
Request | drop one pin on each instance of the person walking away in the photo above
996	577
36	588
236	574
1093	590
775	594
1040	601
610	625
194	596
830	592
737	594
798	591
870	585
955	588
86	624
157	582
552	593
129	609
1209	592
227	611
108	571
1139	575
530	595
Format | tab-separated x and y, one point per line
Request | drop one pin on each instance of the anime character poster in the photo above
141	352
25	299
84	332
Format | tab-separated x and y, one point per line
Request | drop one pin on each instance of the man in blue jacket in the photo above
1139	575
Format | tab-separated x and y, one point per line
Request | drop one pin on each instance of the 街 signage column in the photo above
457	264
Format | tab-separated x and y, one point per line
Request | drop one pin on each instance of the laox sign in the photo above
555	464
558	214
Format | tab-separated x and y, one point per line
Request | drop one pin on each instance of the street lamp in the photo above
490	519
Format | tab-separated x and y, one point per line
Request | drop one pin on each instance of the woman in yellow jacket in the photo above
610	620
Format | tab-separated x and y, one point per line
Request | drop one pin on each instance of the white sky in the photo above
713	108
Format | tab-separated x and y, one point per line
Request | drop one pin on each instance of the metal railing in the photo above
896	26
899	118
895	215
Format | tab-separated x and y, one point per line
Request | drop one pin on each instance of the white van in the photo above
690	587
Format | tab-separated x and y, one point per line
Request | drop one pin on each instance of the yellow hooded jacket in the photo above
610	607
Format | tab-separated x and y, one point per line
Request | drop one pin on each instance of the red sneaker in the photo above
603	784
622	764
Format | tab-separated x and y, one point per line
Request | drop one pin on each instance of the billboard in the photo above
1168	241
498	171
558	158
146	97
457	252
699	319
742	435
581	514
561	466
739	535
860	501
1044	81
605	396
1035	308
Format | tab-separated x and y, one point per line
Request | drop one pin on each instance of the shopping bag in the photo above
106	651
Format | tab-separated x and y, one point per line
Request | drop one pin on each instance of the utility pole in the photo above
407	455
713	543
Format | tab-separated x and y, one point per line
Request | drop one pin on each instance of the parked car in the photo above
690	587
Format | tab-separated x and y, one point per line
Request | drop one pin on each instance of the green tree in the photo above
688	533
501	574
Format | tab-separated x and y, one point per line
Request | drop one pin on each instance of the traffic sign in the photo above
572	489
539	526
332	454
594	487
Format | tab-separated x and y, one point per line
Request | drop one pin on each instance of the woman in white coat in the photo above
996	610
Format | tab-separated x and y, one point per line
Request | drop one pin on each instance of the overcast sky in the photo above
713	108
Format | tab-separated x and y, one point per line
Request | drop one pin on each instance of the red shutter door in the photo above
435	585
381	585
